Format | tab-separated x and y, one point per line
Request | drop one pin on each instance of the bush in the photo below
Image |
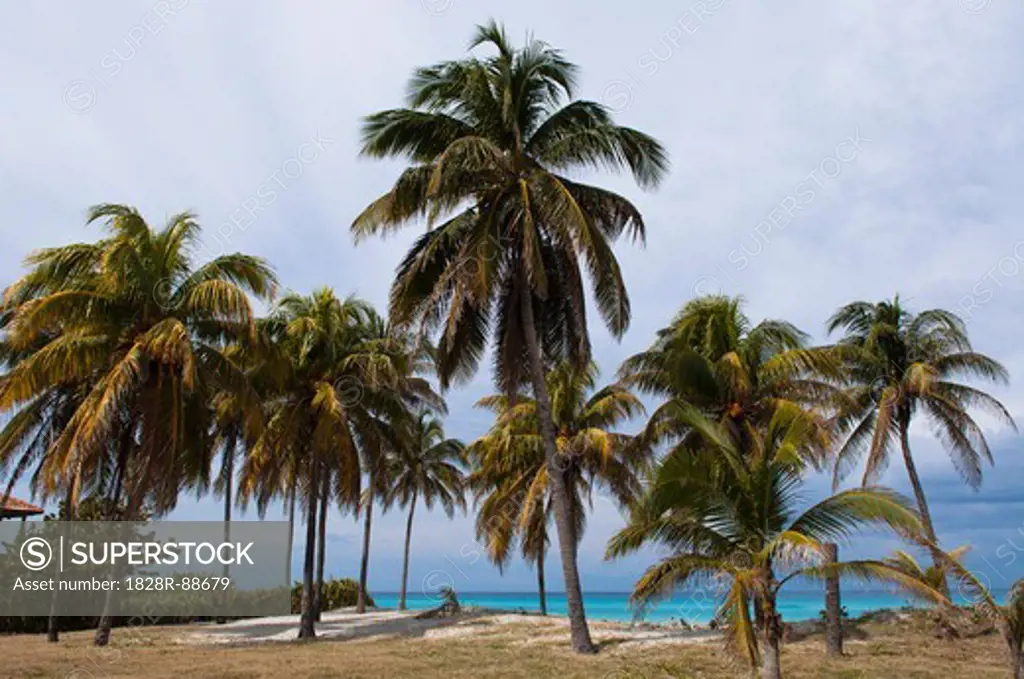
337	594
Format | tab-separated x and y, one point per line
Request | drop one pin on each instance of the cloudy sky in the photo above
821	153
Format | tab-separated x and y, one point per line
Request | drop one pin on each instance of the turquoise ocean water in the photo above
694	607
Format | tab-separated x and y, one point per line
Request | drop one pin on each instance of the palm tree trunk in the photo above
364	566
541	591
307	629
102	635
771	663
581	641
229	479
318	602
405	564
570	484
53	624
291	534
922	503
833	606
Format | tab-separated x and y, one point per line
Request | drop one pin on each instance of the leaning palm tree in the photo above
512	477
492	140
135	319
428	467
729	513
900	364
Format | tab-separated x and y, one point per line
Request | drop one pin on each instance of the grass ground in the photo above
906	651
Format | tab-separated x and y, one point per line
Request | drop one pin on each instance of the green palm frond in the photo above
835	518
876	572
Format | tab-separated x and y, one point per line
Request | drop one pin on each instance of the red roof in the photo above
14	507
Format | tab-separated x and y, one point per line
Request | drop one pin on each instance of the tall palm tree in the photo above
713	359
730	512
428	467
898	365
512	477
491	140
134	318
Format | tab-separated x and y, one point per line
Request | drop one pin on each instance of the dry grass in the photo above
496	648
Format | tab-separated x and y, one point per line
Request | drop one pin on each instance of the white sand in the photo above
375	624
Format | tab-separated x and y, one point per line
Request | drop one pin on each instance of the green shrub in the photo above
337	594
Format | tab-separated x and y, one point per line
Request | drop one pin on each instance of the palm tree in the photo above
428	467
899	364
504	514
732	513
134	319
491	140
713	359
511	477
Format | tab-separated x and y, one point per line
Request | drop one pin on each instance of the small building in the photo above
13	508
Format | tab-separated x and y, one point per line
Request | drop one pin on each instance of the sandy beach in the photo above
496	626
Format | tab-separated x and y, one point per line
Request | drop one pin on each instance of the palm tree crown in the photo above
902	363
712	359
132	320
428	466
489	139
